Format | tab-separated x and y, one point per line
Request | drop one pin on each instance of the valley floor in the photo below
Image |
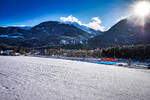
35	78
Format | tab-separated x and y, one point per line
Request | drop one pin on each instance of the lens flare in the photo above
142	9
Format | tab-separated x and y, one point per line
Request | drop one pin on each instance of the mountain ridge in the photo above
125	32
45	33
54	33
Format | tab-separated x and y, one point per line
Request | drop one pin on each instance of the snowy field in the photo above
35	78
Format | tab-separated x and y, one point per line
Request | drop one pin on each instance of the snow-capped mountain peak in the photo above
91	31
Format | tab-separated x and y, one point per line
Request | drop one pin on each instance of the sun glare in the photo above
142	9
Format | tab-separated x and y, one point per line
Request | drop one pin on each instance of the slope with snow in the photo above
33	78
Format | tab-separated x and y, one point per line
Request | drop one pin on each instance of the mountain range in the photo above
45	34
54	33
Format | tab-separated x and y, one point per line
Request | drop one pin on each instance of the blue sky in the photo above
32	12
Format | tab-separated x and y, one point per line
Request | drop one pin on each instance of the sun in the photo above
142	8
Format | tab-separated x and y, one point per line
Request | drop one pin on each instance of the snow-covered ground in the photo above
35	78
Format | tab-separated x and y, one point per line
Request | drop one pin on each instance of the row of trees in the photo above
137	52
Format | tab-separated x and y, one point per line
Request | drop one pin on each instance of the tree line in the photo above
137	52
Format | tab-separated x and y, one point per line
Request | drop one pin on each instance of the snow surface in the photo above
35	78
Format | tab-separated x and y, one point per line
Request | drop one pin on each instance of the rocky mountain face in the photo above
56	33
125	32
44	34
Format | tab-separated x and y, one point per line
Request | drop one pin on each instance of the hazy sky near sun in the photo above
32	12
